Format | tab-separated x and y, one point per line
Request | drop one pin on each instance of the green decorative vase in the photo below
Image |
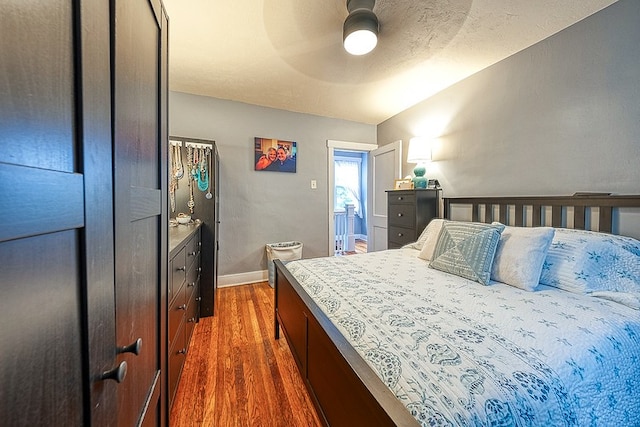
419	181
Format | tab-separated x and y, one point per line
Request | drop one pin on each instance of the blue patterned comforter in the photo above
457	353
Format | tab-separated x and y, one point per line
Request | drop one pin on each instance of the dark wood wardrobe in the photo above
83	203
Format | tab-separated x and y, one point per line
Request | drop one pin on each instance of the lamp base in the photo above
419	181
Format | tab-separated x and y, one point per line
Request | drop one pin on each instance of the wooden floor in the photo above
236	373
361	248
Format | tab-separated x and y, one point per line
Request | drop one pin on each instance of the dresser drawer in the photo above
191	287
177	310
177	356
400	236
178	266
192	250
402	215
191	317
193	275
402	197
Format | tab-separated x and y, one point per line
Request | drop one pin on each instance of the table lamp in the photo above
419	153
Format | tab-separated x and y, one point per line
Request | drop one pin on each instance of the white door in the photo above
384	167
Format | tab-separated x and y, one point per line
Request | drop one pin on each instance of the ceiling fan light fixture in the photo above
360	30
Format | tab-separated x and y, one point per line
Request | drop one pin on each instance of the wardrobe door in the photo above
140	219
55	246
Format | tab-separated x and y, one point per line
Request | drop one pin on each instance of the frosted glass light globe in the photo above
360	42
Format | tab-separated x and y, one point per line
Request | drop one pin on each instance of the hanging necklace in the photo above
194	164
208	195
173	182
191	203
177	158
203	178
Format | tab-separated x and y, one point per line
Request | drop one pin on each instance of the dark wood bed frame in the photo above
343	388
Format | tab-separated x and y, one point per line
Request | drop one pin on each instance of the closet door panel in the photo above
37	88
42	363
97	159
41	359
139	217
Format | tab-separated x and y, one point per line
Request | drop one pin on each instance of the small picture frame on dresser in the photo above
403	184
433	184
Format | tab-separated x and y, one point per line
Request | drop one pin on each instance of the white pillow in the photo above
593	263
520	256
429	238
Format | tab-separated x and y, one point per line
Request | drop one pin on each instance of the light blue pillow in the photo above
590	262
467	249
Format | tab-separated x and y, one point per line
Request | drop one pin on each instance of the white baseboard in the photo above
243	278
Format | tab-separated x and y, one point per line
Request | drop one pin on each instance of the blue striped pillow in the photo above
467	249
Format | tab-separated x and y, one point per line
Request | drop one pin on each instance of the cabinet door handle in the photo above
194	253
183	268
191	320
134	347
182	351
400	198
182	307
191	285
198	298
399	214
117	374
400	234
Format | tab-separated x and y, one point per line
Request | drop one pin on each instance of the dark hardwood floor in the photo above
236	373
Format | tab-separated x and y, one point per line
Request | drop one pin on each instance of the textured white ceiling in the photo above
288	54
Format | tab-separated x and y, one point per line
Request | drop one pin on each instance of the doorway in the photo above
348	217
350	201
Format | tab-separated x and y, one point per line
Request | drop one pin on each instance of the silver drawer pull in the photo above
182	307
182	351
191	285
400	198
399	214
400	234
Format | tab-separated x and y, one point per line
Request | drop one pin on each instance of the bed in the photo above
426	335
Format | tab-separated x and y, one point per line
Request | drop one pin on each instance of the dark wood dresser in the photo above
185	245
408	213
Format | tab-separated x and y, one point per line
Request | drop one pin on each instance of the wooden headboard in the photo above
484	209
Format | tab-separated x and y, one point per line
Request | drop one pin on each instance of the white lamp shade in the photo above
419	150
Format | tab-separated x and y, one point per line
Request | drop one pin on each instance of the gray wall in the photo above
264	207
559	117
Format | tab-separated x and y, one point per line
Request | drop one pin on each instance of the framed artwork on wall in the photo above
275	155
